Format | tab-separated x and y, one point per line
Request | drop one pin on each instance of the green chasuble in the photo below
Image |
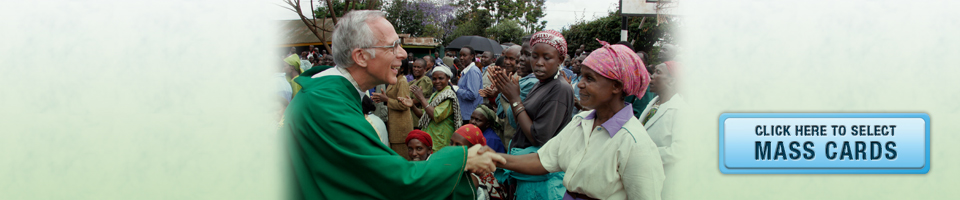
336	154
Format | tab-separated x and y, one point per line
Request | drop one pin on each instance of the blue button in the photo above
824	143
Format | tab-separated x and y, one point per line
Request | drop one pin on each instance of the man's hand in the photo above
485	149
482	163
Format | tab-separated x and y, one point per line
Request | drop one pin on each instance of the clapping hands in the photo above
510	88
405	101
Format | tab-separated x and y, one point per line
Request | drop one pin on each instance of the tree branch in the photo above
311	22
333	13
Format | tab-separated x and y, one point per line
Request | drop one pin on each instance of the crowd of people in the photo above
535	122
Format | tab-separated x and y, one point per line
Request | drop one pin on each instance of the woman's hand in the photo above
378	97
507	87
405	101
417	92
564	75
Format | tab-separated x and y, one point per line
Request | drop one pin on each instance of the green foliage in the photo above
472	22
506	31
526	13
608	29
404	20
503	20
340	7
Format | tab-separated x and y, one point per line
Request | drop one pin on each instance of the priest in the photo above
336	154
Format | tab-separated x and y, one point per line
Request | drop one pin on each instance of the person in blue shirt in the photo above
470	83
567	64
576	66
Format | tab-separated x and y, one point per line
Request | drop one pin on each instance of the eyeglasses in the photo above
395	46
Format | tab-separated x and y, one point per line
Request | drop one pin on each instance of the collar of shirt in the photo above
468	68
616	122
345	74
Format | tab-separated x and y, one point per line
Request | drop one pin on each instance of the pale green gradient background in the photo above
138	100
174	100
820	56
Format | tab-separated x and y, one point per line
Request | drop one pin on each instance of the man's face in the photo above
486	58
578	64
430	62
466	56
386	65
510	58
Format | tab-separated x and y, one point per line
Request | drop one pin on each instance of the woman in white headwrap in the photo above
440	116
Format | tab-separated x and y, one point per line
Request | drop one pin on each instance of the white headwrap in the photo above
445	70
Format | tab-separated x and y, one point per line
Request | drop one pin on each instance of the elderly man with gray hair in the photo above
336	154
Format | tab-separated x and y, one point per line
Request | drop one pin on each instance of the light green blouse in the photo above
442	126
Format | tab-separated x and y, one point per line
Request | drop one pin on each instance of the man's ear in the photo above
359	57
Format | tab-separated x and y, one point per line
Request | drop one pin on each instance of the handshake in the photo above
482	160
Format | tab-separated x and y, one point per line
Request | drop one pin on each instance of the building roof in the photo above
295	33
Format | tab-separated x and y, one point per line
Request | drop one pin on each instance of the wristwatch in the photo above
515	104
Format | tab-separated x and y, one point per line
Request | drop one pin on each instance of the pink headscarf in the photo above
673	68
619	63
552	38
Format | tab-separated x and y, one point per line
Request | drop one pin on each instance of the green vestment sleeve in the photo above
336	154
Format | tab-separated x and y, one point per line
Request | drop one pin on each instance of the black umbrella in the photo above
478	43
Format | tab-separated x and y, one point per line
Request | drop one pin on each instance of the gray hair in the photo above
353	32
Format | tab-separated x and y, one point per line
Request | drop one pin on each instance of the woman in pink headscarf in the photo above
606	153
